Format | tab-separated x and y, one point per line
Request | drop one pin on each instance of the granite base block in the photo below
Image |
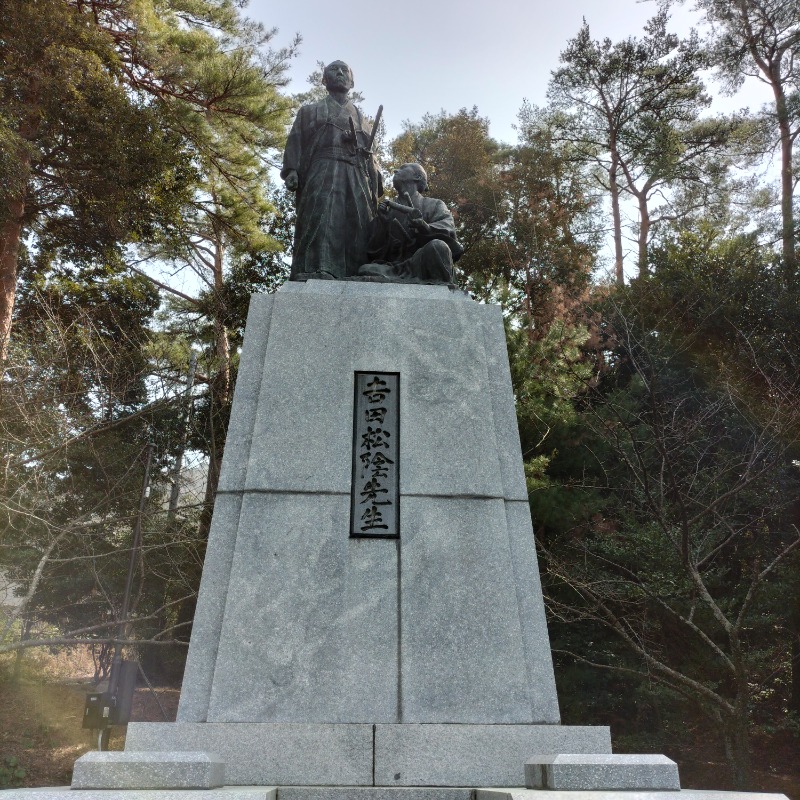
463	659
601	772
183	770
67	793
473	755
377	793
269	754
412	755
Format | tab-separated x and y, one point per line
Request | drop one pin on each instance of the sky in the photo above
420	56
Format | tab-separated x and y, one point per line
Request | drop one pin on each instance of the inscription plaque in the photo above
375	491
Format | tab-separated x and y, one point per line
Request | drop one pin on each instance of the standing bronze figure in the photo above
329	162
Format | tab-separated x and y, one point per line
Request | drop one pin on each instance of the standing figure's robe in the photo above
337	189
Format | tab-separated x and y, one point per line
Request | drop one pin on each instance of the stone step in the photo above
67	793
149	770
601	771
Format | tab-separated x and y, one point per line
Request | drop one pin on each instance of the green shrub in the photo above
11	773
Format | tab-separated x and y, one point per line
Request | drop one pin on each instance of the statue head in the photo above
412	172
337	77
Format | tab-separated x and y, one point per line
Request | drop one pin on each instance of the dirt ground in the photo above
40	717
40	727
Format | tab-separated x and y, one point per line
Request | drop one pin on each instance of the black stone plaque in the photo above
375	492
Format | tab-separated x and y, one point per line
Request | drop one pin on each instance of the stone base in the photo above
368	793
472	755
263	754
156	770
294	754
601	772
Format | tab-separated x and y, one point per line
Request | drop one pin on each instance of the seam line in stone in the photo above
328	492
399	714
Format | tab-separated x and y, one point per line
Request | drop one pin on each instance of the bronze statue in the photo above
415	239
329	162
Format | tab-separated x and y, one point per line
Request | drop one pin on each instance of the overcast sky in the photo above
418	56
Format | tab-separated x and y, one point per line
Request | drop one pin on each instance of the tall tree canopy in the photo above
632	108
761	38
112	113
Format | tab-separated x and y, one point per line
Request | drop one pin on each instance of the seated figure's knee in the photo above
438	261
441	249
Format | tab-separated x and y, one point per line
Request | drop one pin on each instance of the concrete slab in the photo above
533	623
310	626
177	770
239	437
66	793
683	794
302	432
372	793
462	648
503	412
198	675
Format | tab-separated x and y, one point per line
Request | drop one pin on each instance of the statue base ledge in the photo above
326	276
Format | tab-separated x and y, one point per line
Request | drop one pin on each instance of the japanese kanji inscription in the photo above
375	492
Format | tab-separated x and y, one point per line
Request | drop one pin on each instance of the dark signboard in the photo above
375	493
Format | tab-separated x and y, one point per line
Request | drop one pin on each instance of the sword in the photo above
375	128
368	148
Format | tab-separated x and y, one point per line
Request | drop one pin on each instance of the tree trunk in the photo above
20	654
787	211
10	235
794	633
739	725
644	234
794	697
739	749
619	274
11	231
220	388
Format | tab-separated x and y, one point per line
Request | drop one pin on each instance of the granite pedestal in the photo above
298	623
319	659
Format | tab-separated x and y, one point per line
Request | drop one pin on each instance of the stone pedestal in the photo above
155	770
296	622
